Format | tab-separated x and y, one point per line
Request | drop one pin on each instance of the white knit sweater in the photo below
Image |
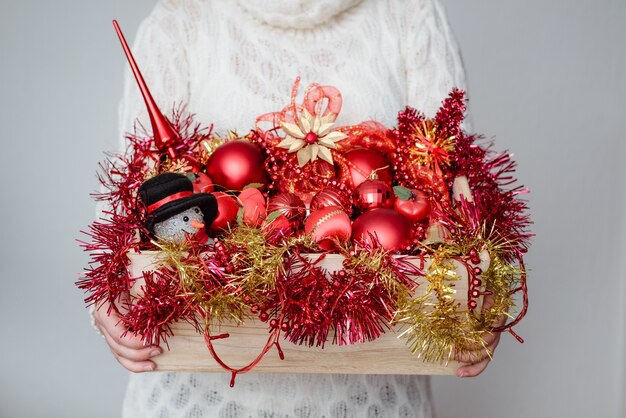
232	60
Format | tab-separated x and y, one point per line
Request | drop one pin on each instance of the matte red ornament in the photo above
289	205
373	194
254	208
416	208
202	184
328	224
391	229
331	197
362	162
227	209
162	130
236	164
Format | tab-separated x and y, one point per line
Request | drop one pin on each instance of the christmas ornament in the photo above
289	205
174	211
331	197
201	183
328	225
362	162
227	209
382	226
253	209
413	204
236	164
373	193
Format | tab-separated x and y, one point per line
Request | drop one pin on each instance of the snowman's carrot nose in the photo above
197	224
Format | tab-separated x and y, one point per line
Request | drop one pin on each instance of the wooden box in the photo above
386	355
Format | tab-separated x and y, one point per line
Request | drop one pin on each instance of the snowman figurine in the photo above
175	212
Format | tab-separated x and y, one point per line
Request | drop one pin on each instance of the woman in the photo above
231	61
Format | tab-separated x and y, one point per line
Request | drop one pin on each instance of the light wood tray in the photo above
386	355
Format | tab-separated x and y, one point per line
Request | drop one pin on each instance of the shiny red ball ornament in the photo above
392	230
227	209
289	205
235	164
331	197
373	194
416	208
362	162
328	224
202	183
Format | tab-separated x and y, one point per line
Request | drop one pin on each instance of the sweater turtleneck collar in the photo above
296	14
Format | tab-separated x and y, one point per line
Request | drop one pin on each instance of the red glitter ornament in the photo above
373	194
362	162
390	229
236	164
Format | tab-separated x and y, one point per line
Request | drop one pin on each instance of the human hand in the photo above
474	362
129	351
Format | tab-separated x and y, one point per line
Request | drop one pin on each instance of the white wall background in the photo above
546	77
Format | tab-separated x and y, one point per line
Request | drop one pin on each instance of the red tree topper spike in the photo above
162	130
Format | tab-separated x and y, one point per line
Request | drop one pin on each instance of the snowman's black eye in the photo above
186	218
197	210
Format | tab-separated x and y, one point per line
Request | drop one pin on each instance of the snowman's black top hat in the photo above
169	194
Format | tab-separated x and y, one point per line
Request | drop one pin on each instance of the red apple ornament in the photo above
254	209
416	207
236	164
391	229
328	224
227	209
202	183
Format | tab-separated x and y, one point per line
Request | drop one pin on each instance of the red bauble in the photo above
391	229
227	209
236	164
328	224
289	205
362	162
331	197
416	208
202	184
373	194
254	208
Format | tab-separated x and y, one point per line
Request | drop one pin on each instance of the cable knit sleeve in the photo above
432	58
161	51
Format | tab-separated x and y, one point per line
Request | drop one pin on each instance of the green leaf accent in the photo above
272	216
253	186
191	177
240	216
402	192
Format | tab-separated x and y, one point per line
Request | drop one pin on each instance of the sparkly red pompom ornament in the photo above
227	209
331	197
328	224
289	205
416	207
372	194
387	226
236	164
362	162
